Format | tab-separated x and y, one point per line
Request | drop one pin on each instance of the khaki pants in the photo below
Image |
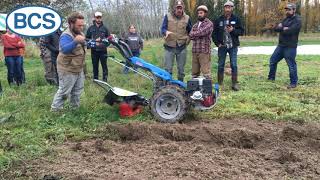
49	68
201	63
70	85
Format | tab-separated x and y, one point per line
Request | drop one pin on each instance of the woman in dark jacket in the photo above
135	42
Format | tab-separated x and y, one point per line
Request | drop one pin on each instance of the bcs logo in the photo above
33	21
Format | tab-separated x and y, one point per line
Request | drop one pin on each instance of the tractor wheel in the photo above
158	83
169	104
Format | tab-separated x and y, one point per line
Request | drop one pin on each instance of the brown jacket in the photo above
178	27
73	62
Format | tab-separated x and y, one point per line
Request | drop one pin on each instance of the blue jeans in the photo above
289	54
22	71
222	54
14	66
126	69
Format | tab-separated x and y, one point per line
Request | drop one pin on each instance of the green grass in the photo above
304	39
29	130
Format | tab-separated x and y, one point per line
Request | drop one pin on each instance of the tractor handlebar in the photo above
119	44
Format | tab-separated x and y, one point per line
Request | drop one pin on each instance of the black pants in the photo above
0	88
54	57
102	57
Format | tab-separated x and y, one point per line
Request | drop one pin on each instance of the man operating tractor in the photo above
227	29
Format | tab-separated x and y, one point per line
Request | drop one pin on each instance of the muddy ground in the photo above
221	149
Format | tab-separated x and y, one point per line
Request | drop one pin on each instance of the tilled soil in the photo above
222	149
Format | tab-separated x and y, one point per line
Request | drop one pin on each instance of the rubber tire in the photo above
178	93
159	83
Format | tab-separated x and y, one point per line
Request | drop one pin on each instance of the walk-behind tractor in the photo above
171	98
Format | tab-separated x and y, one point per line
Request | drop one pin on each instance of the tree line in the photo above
260	16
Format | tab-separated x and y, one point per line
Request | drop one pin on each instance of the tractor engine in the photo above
201	93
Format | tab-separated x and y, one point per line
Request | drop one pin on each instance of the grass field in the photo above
304	39
28	129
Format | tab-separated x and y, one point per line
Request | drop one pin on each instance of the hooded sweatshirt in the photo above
12	45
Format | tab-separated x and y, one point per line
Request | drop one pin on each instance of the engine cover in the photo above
200	84
193	85
207	86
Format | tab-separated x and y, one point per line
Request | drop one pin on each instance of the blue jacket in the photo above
67	44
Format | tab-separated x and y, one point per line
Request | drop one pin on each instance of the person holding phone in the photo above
227	29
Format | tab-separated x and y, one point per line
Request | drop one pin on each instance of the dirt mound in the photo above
239	138
236	149
292	133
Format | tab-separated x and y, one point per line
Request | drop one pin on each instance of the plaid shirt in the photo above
201	37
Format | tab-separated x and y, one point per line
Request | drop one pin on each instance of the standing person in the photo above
0	60
22	52
45	56
289	30
70	63
175	28
12	43
228	28
98	31
49	69
201	47
52	44
135	42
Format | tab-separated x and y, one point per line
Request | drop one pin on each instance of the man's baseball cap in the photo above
229	3
98	14
291	6
179	3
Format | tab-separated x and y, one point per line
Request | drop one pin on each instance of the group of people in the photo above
63	53
224	31
71	58
178	31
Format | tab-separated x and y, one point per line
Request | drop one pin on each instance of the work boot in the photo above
291	86
235	85
105	78
271	80
220	78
